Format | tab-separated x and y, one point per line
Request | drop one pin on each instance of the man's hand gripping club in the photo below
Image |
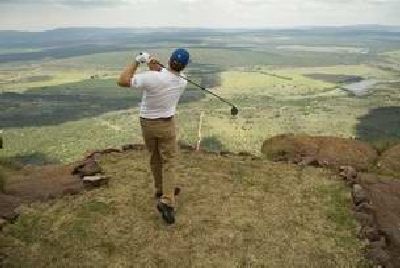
143	57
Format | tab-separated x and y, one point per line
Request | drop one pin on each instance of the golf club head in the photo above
234	110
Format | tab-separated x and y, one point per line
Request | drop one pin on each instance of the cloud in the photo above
72	3
247	3
39	14
92	3
253	2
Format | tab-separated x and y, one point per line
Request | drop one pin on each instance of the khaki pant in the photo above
159	136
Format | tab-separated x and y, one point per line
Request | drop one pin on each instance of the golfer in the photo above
161	89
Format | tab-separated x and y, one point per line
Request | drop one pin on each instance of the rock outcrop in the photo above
330	152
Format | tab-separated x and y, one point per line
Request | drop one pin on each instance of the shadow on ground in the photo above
60	53
46	106
212	143
222	208
380	125
37	159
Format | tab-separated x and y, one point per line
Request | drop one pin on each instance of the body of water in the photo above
361	88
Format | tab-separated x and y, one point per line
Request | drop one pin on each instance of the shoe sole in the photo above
163	215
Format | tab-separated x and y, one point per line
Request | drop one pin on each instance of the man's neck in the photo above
172	71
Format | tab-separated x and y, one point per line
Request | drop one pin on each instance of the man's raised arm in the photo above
130	70
126	77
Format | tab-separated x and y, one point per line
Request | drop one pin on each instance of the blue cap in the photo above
181	56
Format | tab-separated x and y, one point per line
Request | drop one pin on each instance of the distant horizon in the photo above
286	27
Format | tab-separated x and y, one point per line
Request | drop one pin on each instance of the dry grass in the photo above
57	79
237	82
268	106
232	213
366	71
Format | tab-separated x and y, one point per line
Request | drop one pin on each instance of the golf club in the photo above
234	109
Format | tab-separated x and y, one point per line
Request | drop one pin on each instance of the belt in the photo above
158	119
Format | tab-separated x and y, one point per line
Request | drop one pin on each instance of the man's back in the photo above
161	93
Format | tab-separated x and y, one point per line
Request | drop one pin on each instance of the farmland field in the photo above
59	101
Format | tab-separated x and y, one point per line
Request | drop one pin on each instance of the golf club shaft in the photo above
203	88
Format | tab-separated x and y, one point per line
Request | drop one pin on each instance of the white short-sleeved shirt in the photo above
161	92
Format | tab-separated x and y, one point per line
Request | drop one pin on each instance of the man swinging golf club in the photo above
162	88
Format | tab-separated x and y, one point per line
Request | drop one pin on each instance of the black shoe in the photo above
167	212
158	195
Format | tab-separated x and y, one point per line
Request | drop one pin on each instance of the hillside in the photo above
233	212
323	102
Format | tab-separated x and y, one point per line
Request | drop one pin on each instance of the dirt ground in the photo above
232	212
37	183
384	194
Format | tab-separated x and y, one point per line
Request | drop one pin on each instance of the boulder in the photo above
8	207
349	174
320	151
371	233
288	147
338	151
359	195
111	150
92	154
88	167
95	181
133	147
379	257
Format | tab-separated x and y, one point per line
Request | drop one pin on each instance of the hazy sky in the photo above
48	14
